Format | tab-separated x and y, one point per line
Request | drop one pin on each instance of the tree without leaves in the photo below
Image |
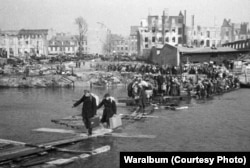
82	28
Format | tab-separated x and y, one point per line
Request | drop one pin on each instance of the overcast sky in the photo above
118	15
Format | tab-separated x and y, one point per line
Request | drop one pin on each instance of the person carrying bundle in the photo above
109	109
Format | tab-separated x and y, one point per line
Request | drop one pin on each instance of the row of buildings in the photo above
29	42
154	31
21	42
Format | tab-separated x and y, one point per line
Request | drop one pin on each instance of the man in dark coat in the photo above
109	109
88	109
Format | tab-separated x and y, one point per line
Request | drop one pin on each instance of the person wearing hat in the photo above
109	109
88	109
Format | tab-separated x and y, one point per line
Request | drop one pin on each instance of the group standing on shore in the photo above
204	79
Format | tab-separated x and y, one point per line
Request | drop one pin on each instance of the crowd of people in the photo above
143	68
203	80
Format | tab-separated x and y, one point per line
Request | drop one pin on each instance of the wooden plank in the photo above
33	150
144	116
62	161
19	153
174	107
100	132
53	130
124	135
35	163
96	132
59	162
6	141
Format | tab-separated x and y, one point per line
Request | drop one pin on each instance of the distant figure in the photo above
140	98
109	109
27	71
88	109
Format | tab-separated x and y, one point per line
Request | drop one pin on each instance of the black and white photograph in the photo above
86	83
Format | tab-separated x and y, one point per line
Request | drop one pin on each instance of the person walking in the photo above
88	109
109	109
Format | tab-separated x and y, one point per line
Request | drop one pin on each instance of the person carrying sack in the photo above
109	109
88	109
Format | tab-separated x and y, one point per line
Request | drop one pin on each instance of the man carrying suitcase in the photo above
88	109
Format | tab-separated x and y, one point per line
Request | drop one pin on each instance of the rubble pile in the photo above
34	82
104	78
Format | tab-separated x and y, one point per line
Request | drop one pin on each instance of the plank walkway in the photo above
23	149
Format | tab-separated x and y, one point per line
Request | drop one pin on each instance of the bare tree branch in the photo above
82	28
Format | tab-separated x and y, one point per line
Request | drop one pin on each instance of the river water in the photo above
220	123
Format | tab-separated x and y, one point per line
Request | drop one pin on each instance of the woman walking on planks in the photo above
88	109
109	109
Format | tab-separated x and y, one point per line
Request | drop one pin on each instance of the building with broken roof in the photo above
125	45
157	30
231	32
203	36
33	42
9	43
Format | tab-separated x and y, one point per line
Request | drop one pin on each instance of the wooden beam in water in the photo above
124	135
144	116
100	132
55	130
60	162
9	155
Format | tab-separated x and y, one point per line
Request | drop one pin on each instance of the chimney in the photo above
185	17
184	27
163	27
192	21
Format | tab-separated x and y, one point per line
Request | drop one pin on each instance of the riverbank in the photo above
35	81
71	77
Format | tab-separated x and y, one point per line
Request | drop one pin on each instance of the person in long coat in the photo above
109	109
88	109
142	98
